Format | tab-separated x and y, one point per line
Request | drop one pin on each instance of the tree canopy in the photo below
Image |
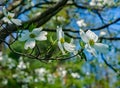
59	43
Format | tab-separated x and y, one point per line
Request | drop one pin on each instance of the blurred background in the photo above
82	71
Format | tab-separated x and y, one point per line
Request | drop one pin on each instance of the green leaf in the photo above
32	26
25	25
82	54
82	44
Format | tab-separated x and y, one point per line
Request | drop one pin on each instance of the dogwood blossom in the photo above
30	37
101	3
81	23
62	44
93	3
90	38
102	33
75	75
9	18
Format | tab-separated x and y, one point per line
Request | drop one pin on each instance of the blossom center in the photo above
91	42
62	40
9	17
32	35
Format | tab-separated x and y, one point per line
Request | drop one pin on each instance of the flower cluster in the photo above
30	38
89	38
101	3
81	23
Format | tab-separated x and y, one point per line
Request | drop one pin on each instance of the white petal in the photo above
60	33
69	47
26	32
30	44
4	11
102	33
84	37
103	48
24	36
91	50
42	36
72	41
92	3
16	21
92	35
36	31
11	14
5	19
61	47
81	23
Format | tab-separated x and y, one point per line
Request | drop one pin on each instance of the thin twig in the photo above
110	66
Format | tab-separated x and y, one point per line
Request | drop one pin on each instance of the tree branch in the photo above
110	66
39	20
104	26
12	7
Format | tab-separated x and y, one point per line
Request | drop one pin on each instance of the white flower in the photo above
50	78
75	75
1	58
81	23
93	3
9	18
62	44
99	3
90	38
62	72
41	71
4	81
102	33
109	2
21	65
30	37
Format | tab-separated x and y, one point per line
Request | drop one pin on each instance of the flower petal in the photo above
36	31
30	44
11	14
102	33
92	35
91	50
42	36
69	47
5	19
92	3
60	33
103	48
81	23
4	11
84	37
24	36
16	21
61	47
